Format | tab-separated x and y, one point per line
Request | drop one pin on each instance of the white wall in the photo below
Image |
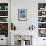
31	7
32	14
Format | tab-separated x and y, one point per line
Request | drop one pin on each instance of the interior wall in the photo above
32	14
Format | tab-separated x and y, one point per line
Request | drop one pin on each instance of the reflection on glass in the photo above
41	13
42	32
40	25
41	19
41	6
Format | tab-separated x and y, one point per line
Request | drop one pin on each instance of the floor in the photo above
3	45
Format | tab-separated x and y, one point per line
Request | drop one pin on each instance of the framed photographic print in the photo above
22	14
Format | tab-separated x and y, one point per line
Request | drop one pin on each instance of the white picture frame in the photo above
22	14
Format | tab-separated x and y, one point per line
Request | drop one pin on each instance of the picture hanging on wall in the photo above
22	14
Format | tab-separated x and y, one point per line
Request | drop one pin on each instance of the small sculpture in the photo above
13	27
31	27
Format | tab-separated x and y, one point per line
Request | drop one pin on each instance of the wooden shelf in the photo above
3	22
41	22
41	28
3	10
3	16
42	16
42	10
